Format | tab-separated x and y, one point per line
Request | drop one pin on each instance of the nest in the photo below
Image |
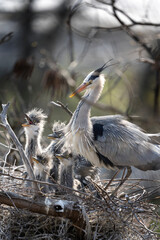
125	217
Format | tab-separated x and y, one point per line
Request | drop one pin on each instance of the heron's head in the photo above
42	160
91	80
35	120
57	130
65	158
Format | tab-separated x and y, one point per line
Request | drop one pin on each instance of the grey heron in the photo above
35	121
57	130
81	167
57	133
66	171
108	141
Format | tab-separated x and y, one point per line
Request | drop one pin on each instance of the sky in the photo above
38	5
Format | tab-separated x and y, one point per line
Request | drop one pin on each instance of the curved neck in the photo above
81	116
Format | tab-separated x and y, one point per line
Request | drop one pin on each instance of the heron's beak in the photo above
59	157
35	159
25	125
79	89
28	120
50	136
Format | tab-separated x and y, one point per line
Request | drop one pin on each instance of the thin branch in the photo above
11	148
65	107
51	184
6	38
128	30
134	22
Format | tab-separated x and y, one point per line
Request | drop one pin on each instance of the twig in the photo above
140	221
65	107
11	148
6	38
14	138
128	30
51	184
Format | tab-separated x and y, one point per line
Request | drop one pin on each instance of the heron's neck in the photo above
81	116
33	144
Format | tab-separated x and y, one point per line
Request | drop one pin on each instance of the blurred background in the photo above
47	48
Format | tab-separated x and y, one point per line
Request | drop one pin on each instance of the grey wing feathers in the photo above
124	143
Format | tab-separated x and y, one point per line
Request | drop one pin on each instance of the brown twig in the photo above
65	107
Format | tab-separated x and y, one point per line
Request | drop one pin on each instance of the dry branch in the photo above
56	208
65	107
18	145
6	38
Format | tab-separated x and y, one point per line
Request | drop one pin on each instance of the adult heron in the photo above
108	141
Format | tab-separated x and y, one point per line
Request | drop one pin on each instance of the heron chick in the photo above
82	168
57	133
35	121
57	130
42	166
66	171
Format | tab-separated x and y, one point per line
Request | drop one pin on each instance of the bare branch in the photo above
128	30
65	107
18	145
6	38
56	208
133	22
3	145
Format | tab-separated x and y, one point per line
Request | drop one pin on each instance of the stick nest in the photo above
125	217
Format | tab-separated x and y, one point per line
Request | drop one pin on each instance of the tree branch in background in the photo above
144	45
18	145
6	38
128	30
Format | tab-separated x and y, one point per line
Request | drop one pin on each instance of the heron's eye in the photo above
29	121
90	81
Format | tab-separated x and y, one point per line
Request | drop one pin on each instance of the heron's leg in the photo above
129	171
109	183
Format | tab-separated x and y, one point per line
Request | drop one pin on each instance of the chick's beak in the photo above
25	125
50	136
35	159
79	89
28	120
59	157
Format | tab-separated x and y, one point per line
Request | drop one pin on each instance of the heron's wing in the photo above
124	143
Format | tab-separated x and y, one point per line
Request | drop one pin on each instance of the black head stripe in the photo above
94	76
